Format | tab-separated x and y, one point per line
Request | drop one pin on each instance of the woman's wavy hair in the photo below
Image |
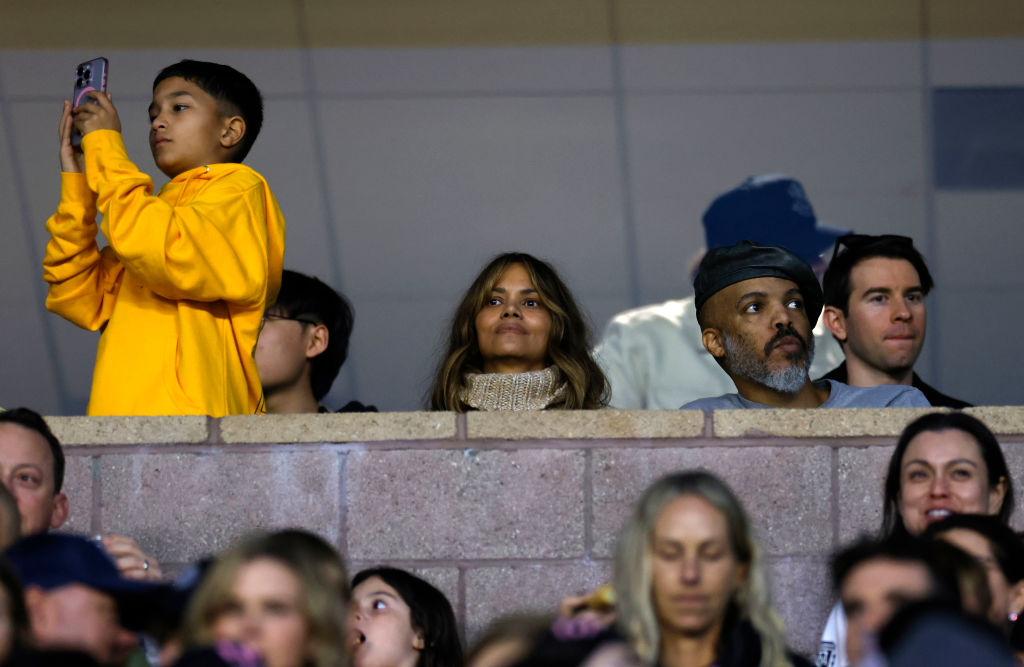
568	345
633	578
991	453
325	591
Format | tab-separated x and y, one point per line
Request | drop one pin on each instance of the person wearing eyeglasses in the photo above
302	345
875	289
756	306
652	355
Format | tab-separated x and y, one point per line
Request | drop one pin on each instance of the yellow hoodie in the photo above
179	291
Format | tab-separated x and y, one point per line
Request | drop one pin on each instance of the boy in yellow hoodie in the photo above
180	290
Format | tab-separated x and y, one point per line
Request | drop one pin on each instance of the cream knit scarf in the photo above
533	390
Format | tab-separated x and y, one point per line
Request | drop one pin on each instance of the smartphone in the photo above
90	75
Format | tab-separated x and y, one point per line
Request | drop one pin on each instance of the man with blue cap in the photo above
756	306
653	357
77	599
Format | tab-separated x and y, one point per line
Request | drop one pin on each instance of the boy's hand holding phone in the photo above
71	158
101	115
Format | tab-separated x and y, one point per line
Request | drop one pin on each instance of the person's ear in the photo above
232	131
418	642
835	321
60	511
317	340
712	340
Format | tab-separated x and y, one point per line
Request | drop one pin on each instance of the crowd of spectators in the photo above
198	316
941	581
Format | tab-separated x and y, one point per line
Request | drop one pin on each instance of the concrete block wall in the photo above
502	512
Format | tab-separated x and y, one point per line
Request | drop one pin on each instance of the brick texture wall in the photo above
502	512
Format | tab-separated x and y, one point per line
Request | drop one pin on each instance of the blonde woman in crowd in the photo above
281	598
690	580
518	341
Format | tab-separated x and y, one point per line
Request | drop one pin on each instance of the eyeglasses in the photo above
272	316
855	241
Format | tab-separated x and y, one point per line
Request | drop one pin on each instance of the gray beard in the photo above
743	362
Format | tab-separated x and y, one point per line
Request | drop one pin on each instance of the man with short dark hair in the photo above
32	469
756	306
875	291
873	580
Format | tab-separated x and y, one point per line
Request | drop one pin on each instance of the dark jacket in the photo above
934	396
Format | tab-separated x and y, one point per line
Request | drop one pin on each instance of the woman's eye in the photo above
179	107
532	303
961	473
378	605
916	475
494	302
278	608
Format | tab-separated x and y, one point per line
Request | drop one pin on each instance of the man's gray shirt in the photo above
840	396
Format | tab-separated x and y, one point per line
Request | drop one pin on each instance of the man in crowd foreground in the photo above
32	469
76	599
875	291
756	306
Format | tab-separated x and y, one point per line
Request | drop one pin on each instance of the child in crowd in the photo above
303	344
399	619
179	291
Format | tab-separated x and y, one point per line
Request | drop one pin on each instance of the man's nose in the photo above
901	310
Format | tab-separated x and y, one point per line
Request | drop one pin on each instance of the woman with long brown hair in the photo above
518	341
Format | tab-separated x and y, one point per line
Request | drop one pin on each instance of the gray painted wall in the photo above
401	171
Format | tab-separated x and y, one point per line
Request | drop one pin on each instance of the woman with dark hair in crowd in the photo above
280	598
400	620
690	580
945	463
518	341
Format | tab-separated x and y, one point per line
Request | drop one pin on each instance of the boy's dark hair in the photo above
33	421
306	297
904	549
836	281
430	613
235	93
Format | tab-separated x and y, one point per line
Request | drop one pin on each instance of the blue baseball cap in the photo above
52	560
771	210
